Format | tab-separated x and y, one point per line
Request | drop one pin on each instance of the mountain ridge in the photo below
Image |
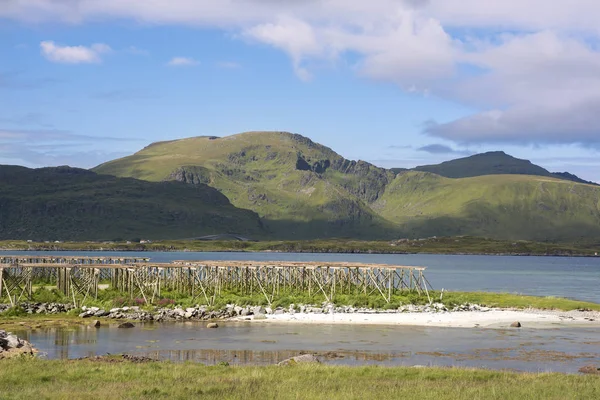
493	163
302	189
64	203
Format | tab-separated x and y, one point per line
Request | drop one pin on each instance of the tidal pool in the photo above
538	350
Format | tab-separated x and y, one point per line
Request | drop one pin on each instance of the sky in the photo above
398	83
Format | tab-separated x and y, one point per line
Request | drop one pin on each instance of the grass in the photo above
507	300
109	298
32	378
432	245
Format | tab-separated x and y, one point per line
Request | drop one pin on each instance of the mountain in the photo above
498	206
66	203
302	189
493	163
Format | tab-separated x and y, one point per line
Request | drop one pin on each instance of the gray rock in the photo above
188	315
303	359
258	310
278	312
126	325
516	324
95	324
212	325
259	316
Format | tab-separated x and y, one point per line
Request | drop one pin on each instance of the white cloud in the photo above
137	51
228	65
73	54
529	60
182	62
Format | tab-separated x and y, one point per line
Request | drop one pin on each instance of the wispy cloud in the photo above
228	65
182	62
39	157
442	149
44	135
50	147
137	51
123	95
30	118
15	80
400	146
73	54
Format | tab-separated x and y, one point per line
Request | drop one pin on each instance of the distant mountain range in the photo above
493	163
75	204
301	189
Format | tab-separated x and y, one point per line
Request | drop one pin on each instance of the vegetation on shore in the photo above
117	379
433	245
110	298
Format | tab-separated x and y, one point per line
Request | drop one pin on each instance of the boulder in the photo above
126	325
303	359
11	345
516	324
259	316
212	325
259	310
95	324
590	369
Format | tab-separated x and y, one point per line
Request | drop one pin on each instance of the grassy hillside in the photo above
304	190
66	203
501	206
493	163
301	189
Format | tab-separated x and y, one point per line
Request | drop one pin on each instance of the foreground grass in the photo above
30	378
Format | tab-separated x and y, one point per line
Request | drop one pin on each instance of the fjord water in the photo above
559	350
571	277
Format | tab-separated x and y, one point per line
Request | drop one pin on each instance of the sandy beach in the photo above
495	318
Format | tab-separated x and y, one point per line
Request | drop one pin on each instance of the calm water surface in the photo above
571	277
564	349
561	350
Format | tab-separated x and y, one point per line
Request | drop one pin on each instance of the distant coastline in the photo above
442	246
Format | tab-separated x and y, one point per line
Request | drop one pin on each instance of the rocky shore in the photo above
203	312
11	346
435	314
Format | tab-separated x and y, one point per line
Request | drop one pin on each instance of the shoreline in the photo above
493	319
368	252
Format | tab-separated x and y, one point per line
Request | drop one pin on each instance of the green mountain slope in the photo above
492	163
73	204
301	189
499	206
304	190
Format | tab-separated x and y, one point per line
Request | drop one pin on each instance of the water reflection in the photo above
564	349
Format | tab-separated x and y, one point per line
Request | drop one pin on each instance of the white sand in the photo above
469	319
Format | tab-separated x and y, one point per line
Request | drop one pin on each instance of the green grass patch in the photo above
26	379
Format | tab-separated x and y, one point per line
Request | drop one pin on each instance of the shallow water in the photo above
561	350
570	277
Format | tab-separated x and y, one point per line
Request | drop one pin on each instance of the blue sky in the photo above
396	83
